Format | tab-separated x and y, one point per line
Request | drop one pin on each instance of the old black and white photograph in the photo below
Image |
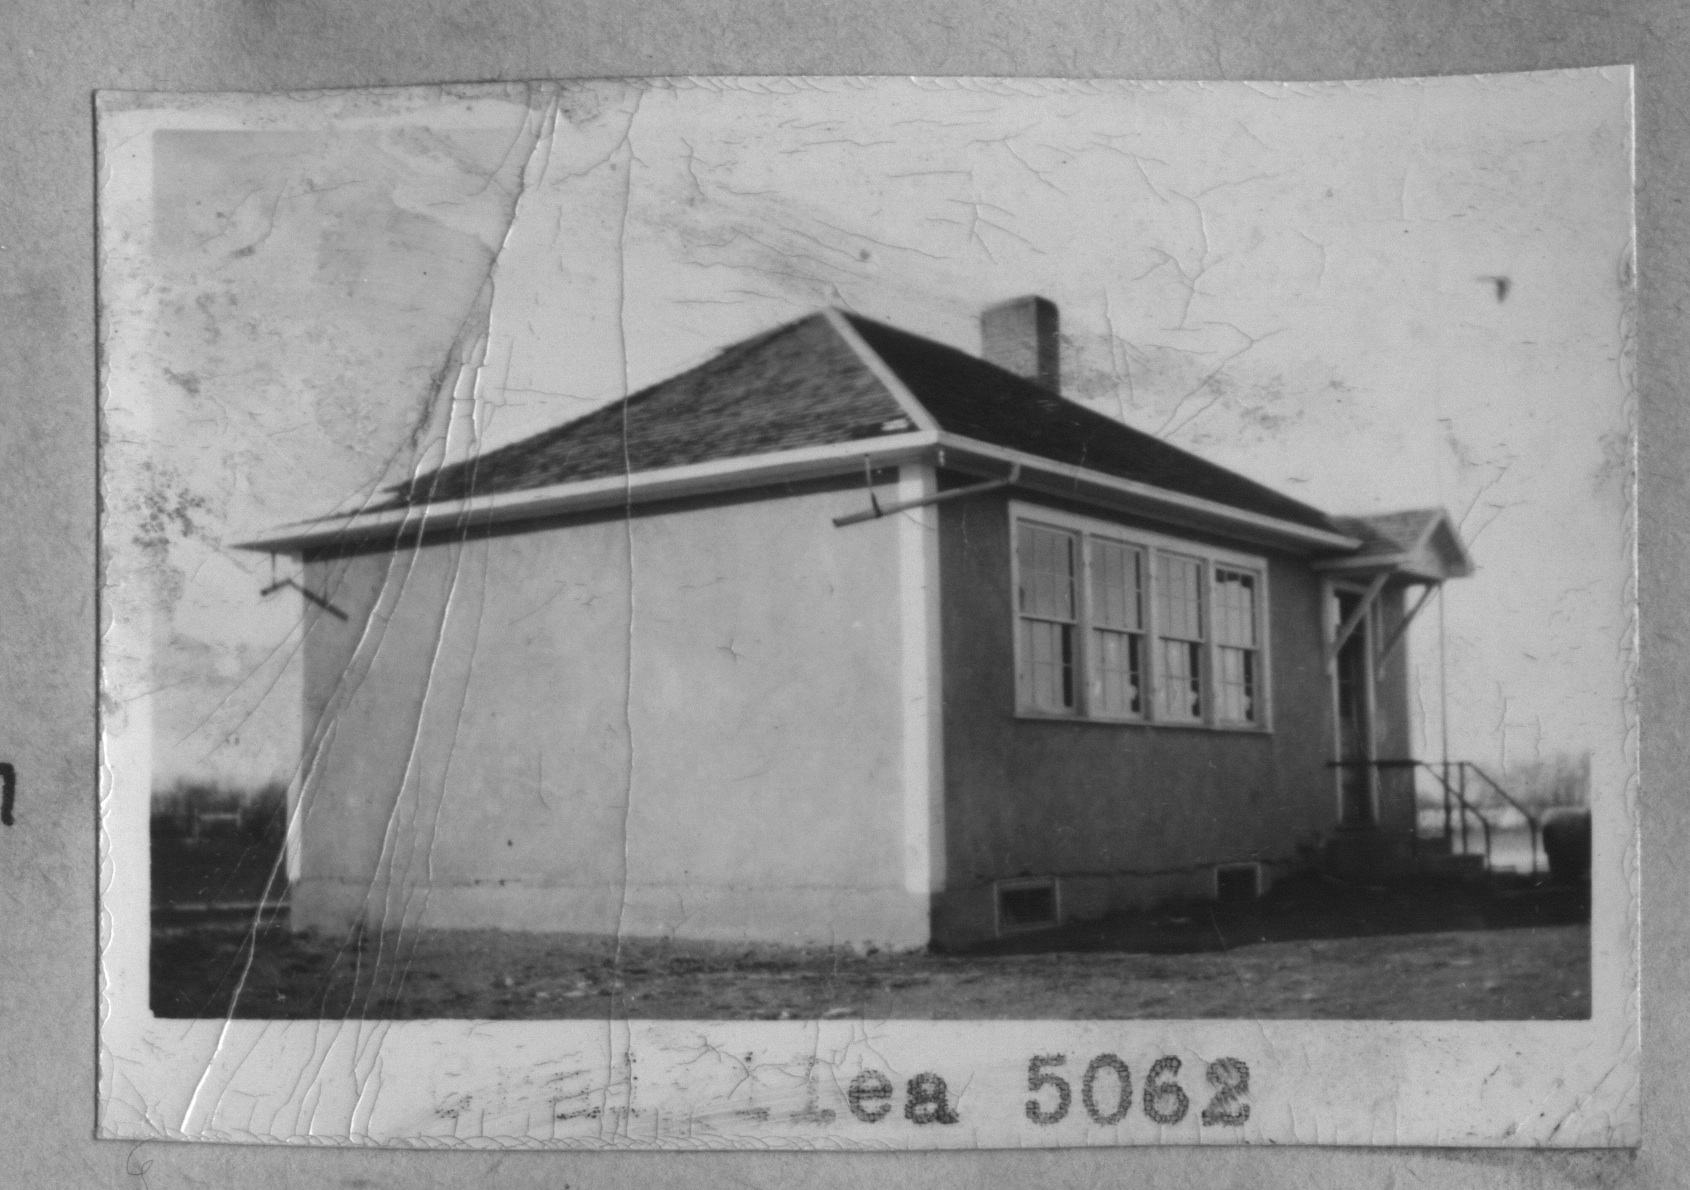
898	612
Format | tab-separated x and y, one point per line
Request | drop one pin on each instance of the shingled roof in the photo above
978	400
806	384
1390	532
798	385
1417	539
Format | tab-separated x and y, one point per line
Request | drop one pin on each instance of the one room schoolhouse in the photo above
845	636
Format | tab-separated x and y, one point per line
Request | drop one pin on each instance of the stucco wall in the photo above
1123	813
687	723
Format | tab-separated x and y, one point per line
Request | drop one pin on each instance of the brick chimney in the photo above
1021	336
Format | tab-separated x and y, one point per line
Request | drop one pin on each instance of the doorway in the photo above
1353	674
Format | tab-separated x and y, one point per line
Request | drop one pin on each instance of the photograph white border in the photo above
719	1084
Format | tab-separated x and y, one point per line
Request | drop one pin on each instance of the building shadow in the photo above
1314	906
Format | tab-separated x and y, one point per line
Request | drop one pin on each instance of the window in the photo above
1048	616
1117	616
1179	619
1234	602
1120	625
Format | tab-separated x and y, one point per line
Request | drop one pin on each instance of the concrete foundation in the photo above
890	919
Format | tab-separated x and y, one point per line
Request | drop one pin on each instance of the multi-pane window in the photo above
1179	627
1117	624
1234	603
1117	619
1049	614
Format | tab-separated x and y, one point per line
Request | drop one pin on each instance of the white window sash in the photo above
1154	673
1090	661
1254	651
1176	639
1027	683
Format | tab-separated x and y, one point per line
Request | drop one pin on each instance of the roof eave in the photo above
1399	565
1464	559
644	487
1110	491
703	479
1420	562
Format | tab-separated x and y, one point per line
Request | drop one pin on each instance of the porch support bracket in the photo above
1354	619
1401	630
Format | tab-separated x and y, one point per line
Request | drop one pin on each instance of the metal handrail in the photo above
1457	793
1466	807
1532	822
1451	792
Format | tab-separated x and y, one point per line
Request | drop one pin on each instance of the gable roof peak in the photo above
1417	542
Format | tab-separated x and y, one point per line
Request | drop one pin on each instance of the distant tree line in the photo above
1559	782
191	810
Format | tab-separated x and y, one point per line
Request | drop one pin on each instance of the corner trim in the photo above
922	684
641	487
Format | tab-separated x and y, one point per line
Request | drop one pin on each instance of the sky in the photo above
1367	295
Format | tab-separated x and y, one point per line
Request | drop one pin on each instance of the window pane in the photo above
1046	566
1179	600
1182	688
1234	609
1048	655
1235	701
1117	581
1172	635
1115	673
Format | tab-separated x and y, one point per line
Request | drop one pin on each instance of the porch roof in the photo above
1420	545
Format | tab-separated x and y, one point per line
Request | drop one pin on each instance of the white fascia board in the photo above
1423	562
669	483
1368	562
699	479
1411	567
1415	555
1464	560
1145	498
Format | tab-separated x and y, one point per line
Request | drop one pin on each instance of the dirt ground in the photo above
1506	949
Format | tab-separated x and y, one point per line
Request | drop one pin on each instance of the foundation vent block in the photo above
1027	905
1236	883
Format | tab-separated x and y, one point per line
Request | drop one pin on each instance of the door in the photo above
1353	673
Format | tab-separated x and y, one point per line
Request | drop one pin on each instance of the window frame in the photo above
1150	546
1215	645
1027	681
1330	591
1089	627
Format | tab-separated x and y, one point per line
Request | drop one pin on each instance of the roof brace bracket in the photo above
1354	619
307	592
1392	641
878	510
